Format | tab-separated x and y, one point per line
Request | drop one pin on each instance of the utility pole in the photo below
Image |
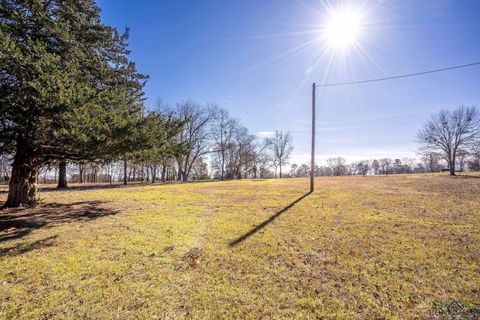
312	165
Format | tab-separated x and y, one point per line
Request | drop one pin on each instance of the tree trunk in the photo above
62	174
22	187
178	174
125	177
185	172
452	167
222	177
81	170
164	168
154	173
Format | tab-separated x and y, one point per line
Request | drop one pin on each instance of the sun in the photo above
343	28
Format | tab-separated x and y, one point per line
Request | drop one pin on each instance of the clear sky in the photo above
258	59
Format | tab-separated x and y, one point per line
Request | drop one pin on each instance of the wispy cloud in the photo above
265	134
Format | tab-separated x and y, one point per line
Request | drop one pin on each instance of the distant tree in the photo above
195	135
293	170
409	164
352	168
303	170
448	132
375	166
338	165
242	156
397	166
462	156
363	167
431	161
263	159
200	169
281	146
474	160
222	131
419	168
325	171
385	165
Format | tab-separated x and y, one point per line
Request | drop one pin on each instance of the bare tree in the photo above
200	170
281	146
263	159
398	166
195	135
363	167
409	164
243	152
431	161
338	165
293	170
448	132
385	165
375	166
474	161
222	130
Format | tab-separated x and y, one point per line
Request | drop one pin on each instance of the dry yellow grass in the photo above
374	247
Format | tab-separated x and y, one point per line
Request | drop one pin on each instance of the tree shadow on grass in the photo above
15	223
19	249
262	225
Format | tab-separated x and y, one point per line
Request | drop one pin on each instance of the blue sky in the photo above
254	59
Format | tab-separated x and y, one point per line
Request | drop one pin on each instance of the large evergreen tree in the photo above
67	88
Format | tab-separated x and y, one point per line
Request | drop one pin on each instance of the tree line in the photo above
209	144
338	166
449	141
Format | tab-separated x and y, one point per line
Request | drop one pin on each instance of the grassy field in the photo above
374	247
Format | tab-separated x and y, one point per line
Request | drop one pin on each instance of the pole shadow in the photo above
262	225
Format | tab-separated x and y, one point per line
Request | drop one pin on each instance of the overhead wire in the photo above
335	84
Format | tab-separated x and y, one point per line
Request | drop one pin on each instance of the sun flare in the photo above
343	28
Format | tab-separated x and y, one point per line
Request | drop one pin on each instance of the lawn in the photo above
373	247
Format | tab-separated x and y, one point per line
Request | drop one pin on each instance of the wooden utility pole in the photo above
312	165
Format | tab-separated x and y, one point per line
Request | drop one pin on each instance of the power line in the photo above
397	77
